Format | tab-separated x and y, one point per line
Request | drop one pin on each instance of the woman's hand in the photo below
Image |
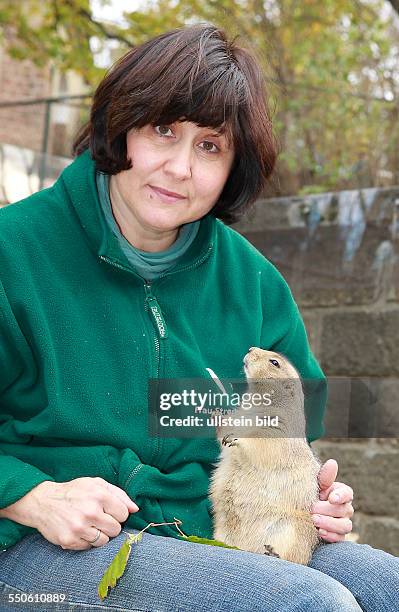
70	513
333	512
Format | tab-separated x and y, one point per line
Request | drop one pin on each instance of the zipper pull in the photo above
156	312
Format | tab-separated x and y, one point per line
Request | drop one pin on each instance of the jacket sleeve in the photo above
289	338
16	477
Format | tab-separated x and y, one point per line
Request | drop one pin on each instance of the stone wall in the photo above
339	254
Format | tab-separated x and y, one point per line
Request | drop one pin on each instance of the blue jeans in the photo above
170	575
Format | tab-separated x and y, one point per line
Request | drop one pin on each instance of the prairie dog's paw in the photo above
269	551
229	440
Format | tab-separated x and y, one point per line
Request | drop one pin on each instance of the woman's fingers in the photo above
123	496
113	506
335	510
328	536
92	534
108	525
340	526
344	492
72	512
102	540
109	508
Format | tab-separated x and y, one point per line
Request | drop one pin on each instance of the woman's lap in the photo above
169	575
370	574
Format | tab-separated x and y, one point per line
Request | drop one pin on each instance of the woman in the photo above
124	272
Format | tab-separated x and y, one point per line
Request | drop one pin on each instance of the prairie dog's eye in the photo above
274	362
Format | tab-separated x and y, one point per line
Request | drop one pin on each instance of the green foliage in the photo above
198	540
324	69
118	565
51	31
312	189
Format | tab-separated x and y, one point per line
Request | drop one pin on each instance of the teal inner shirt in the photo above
148	265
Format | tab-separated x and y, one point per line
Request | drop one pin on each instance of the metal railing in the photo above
48	102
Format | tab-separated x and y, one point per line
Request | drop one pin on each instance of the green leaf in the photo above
118	565
198	540
135	537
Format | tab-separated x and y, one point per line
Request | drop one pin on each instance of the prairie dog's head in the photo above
261	364
272	373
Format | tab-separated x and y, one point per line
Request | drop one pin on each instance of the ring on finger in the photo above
96	538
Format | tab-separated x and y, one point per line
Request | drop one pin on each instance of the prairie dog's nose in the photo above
252	350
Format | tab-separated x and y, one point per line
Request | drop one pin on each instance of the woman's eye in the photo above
209	149
162	127
274	362
162	130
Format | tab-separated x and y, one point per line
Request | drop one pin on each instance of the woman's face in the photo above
182	158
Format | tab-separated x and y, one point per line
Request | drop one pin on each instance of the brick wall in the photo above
22	126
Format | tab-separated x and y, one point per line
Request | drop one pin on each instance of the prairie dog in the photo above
263	488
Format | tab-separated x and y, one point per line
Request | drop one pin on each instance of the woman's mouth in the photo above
166	196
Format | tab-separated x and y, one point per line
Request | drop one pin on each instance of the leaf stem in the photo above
176	522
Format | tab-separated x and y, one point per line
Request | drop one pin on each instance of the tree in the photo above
57	31
332	76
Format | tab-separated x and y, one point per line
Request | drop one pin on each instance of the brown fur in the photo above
263	488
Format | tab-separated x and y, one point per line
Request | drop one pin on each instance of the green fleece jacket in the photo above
81	333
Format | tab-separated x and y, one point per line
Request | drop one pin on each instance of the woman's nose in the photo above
179	164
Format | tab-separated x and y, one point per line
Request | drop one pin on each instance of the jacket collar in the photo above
79	182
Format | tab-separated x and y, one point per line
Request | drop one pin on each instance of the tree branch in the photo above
99	25
395	5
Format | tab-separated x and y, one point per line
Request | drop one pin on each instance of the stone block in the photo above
362	408
318	269
338	410
370	469
312	323
333	248
394	295
388	408
361	343
379	532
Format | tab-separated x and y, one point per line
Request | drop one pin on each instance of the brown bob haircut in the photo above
188	74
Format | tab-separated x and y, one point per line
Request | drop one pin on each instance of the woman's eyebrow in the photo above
218	132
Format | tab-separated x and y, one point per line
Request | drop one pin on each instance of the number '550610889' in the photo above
36	597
